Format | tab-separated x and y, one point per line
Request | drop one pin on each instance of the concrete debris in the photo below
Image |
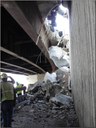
59	56
60	75
63	75
48	105
65	69
46	115
35	87
50	76
47	90
61	99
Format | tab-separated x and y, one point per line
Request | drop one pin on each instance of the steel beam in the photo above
20	13
12	65
21	58
14	71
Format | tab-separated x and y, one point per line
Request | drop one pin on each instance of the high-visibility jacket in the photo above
7	91
19	86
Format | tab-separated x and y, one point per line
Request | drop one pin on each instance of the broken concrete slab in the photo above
61	99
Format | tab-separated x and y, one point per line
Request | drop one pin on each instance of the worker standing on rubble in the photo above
7	99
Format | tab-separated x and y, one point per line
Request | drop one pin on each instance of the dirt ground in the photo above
42	114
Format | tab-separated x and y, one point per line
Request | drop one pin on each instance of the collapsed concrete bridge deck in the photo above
21	47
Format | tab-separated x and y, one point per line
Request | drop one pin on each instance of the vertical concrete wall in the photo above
83	60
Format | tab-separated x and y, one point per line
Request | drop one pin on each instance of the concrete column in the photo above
83	60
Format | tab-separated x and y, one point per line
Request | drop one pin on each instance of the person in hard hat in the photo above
7	99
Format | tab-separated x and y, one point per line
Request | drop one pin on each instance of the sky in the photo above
62	22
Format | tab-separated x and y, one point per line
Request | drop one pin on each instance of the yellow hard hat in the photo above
4	75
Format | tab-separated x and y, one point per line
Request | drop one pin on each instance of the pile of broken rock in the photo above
48	91
48	104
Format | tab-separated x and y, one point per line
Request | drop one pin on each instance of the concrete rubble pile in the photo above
42	90
47	107
54	114
48	114
59	56
48	104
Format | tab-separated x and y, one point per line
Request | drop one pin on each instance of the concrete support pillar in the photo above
83	60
